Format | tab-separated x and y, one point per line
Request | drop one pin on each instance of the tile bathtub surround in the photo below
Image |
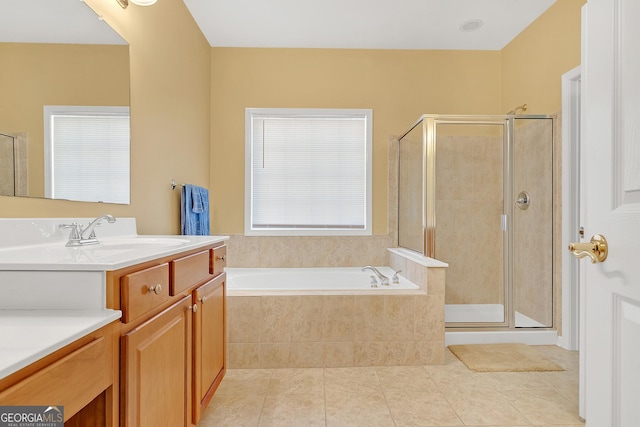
307	251
334	330
305	331
436	395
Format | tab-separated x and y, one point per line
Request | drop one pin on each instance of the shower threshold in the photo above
494	313
485	313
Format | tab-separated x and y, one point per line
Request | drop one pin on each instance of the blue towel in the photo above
194	211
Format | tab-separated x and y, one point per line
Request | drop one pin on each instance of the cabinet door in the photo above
156	367
209	342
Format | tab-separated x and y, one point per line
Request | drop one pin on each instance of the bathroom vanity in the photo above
134	325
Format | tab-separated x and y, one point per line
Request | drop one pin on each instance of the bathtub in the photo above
310	281
329	317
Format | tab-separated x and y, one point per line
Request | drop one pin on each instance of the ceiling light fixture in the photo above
471	25
125	3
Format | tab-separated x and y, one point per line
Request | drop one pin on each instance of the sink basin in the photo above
110	249
141	242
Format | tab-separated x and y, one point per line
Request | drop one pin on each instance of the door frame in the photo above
571	80
572	337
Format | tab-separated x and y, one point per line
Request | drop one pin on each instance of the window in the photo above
308	172
87	153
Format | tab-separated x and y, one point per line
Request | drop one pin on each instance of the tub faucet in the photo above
85	236
383	279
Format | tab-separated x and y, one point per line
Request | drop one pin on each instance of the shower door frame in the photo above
429	124
13	160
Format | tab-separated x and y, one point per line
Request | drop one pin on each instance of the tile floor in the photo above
441	395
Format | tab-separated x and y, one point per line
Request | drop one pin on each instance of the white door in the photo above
611	136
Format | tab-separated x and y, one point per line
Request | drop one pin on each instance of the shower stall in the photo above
477	193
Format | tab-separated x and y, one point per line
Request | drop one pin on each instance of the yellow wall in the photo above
533	63
170	117
56	74
398	85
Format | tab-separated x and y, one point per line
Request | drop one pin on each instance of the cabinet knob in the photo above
193	308
156	289
222	258
203	299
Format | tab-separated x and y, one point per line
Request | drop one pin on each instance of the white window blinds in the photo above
309	172
88	153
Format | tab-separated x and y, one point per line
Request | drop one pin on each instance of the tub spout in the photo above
383	279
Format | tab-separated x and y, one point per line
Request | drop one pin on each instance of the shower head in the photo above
522	107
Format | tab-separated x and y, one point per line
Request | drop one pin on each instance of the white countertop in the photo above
29	335
112	253
31	244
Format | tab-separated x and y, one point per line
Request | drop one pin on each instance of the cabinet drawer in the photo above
189	271
144	290
218	259
72	381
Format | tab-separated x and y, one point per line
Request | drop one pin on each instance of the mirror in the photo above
57	53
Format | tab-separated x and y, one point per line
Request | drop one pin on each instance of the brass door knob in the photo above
596	249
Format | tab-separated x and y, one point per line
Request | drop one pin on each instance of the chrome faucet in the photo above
85	236
383	279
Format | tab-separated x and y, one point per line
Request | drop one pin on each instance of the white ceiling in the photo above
364	24
357	24
53	21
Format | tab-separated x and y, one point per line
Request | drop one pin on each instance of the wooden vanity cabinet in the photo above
209	342
172	338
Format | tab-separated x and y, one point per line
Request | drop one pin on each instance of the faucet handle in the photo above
76	230
395	279
374	282
75	236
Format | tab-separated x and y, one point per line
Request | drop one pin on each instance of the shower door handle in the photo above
524	200
596	249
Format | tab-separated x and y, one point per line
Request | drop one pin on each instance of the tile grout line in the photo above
264	398
444	396
384	395
324	396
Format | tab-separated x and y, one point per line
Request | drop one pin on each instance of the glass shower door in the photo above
7	165
469	200
411	194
